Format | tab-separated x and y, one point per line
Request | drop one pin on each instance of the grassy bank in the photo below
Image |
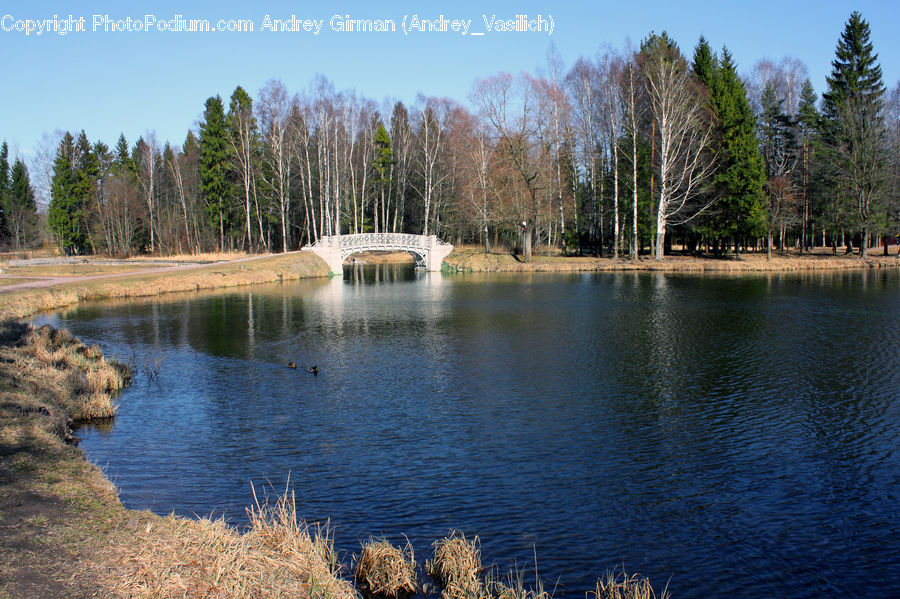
75	288
470	259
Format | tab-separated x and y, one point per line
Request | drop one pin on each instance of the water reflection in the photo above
738	434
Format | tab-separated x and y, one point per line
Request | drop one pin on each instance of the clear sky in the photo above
108	82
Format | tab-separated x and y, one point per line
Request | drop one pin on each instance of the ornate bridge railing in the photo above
387	241
428	250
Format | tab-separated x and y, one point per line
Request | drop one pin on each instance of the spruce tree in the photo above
214	163
4	187
65	211
20	208
384	160
122	162
740	174
705	65
855	130
809	123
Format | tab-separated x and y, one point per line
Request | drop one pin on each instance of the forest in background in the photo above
625	152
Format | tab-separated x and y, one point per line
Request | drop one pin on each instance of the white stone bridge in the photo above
428	250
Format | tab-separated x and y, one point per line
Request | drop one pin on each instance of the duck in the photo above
314	370
291	365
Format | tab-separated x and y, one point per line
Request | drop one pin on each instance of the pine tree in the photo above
855	128
214	163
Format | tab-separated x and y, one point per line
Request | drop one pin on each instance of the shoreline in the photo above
468	259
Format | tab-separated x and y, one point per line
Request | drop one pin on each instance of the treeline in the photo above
625	152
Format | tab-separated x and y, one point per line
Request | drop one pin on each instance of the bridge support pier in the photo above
331	253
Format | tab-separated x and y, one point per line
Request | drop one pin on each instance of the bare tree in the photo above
787	75
510	107
274	109
612	109
402	146
582	80
42	167
147	172
242	138
433	115
632	108
561	114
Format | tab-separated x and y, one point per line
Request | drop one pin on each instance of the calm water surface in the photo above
737	437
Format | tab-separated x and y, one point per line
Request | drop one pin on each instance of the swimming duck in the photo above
314	370
291	365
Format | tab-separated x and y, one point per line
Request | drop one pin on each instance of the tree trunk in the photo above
526	242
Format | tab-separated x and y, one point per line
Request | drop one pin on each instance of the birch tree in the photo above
242	141
612	109
683	133
274	109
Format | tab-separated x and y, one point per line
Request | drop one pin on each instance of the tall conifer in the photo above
214	163
855	128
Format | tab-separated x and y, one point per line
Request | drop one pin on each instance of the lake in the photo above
732	436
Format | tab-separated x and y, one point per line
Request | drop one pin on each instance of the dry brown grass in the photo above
199	257
267	269
473	259
456	567
279	556
85	378
384	570
617	584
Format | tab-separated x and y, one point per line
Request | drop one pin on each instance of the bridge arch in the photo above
428	250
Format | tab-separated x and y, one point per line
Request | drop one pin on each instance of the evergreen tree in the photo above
20	208
4	186
705	67
740	174
122	161
66	205
384	160
855	72
214	163
809	122
705	64
855	128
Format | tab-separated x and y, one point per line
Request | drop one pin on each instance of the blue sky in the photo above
135	82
